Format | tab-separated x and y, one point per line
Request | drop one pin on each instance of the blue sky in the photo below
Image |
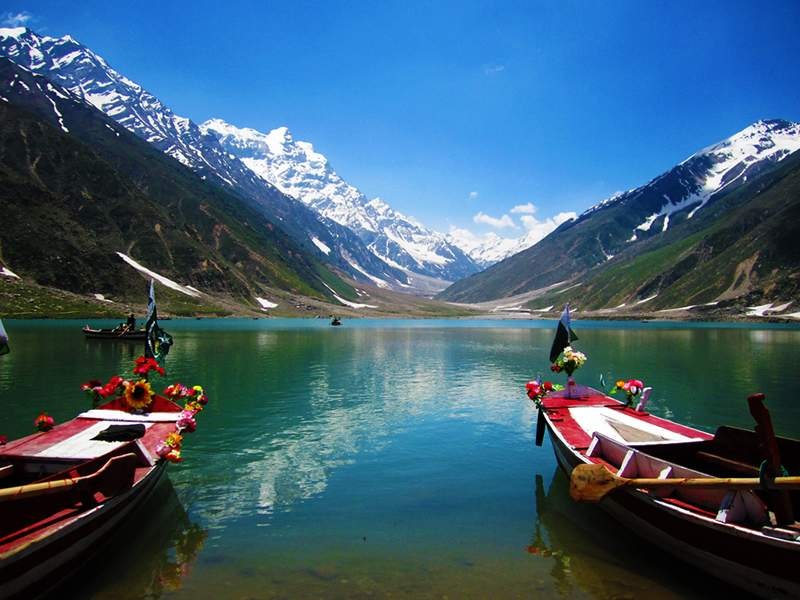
448	110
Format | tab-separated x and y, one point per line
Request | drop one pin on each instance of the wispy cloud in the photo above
498	223
473	195
524	209
493	69
20	19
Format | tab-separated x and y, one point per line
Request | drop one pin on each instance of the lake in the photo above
390	457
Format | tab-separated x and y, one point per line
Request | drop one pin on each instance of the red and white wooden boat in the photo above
726	533
62	493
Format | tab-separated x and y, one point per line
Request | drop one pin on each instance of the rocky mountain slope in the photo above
294	167
75	67
622	224
86	204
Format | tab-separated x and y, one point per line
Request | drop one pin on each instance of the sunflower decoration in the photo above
138	394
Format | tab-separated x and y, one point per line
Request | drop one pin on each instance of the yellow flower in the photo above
138	394
174	440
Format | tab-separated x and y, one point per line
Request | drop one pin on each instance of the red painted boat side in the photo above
40	553
740	555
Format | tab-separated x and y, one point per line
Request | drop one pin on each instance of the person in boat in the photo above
130	324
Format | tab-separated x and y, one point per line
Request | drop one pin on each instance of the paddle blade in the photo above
591	482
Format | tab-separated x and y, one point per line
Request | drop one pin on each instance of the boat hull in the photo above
108	334
766	567
45	562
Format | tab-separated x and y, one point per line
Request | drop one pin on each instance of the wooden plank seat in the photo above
28	504
734	506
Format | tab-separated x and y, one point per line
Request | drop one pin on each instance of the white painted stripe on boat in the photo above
81	445
594	419
116	415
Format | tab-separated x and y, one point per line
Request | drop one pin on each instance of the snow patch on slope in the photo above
189	291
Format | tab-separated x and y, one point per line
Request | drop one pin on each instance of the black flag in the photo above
564	335
158	341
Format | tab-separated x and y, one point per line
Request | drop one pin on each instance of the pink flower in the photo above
186	421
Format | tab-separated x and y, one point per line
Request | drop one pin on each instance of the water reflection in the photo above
156	548
591	554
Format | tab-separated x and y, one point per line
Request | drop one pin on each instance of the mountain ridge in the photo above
613	225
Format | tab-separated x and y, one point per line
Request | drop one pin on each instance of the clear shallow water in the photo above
390	458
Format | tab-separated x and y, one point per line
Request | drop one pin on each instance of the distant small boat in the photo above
336	321
114	334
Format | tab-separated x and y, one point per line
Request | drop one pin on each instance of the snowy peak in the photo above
688	187
75	67
297	169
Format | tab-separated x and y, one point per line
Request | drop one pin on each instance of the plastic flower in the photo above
3	440
176	390
174	440
44	422
143	366
568	361
632	388
186	421
537	390
193	406
111	387
174	456
138	394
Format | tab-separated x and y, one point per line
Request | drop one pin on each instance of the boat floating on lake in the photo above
138	335
64	489
724	503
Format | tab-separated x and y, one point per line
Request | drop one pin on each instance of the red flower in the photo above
44	422
144	365
111	387
3	440
555	368
548	386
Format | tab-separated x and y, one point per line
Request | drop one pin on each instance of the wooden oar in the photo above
591	483
113	477
778	501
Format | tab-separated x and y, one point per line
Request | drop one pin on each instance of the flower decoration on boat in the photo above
632	388
143	366
44	422
186	422
138	394
538	390
170	448
3	440
569	361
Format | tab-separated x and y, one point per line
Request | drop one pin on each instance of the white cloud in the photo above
498	223
537	229
526	209
493	69
473	195
19	19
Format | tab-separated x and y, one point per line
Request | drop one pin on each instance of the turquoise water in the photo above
390	458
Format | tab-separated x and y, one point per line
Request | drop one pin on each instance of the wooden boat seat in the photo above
26	505
621	427
81	446
730	506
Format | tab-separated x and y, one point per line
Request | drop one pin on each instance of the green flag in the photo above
4	349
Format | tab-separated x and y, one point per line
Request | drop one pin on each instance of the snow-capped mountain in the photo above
295	168
88	76
668	204
691	185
